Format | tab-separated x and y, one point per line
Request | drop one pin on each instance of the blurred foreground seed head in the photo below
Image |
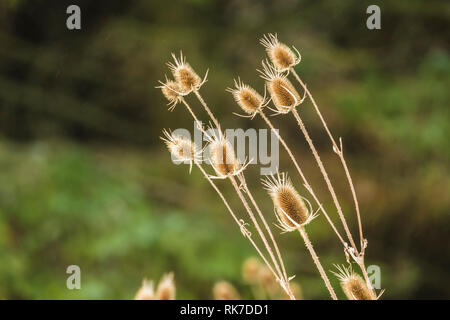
146	291
166	288
224	290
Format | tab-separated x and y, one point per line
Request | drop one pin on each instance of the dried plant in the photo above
224	290
146	291
165	291
293	211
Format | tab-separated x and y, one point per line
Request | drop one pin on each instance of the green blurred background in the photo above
85	180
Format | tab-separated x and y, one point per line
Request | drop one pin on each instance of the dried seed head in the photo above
267	280
181	148
224	290
354	287
223	158
146	291
282	57
166	288
184	75
290	207
284	95
247	98
172	91
250	270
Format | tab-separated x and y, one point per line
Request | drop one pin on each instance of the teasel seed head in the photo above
184	75
250	270
354	287
182	148
284	95
247	98
146	291
282	57
290	208
223	158
224	290
166	288
171	91
267	280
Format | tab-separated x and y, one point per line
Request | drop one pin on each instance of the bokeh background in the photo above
85	180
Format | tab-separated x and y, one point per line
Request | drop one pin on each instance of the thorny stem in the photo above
305	181
241	225
283	273
211	115
311	250
261	234
261	216
190	111
339	151
325	175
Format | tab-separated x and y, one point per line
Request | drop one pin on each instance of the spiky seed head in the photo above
246	97
146	291
282	57
224	290
284	95
223	158
171	91
250	270
166	288
184	75
289	206
354	287
181	148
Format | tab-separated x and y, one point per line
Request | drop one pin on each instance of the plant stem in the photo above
305	181
317	262
339	152
325	175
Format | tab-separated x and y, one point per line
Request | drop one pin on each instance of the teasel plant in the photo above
281	63
224	163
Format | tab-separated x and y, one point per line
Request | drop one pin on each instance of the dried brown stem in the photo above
317	262
325	175
339	151
305	181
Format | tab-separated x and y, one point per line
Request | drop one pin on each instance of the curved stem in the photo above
305	181
317	262
235	218
205	106
325	175
339	152
261	216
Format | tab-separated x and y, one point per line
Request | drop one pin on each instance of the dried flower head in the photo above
224	290
223	158
282	57
267	280
354	287
284	96
166	288
290	208
181	148
247	98
184	75
250	270
146	291
172	91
